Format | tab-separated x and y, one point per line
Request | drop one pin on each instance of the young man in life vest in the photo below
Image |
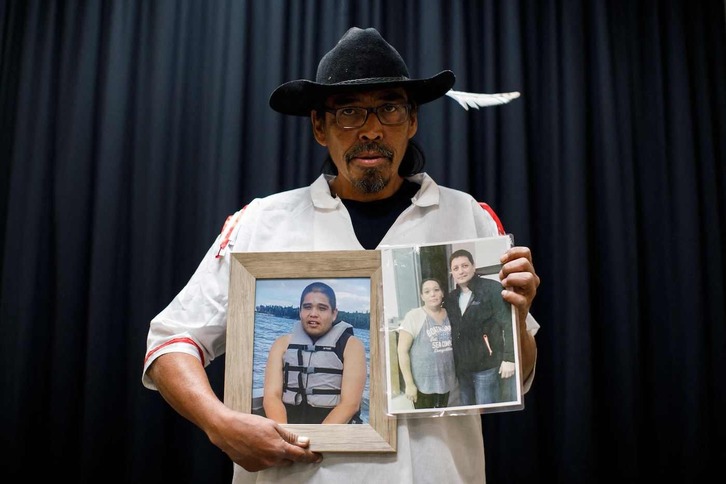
316	373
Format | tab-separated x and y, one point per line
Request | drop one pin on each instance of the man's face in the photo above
462	270
316	314
367	158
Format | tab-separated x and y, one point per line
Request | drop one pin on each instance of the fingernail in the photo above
303	440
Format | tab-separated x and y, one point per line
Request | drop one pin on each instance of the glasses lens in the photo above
355	117
392	113
351	117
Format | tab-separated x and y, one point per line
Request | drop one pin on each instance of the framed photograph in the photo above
277	300
452	344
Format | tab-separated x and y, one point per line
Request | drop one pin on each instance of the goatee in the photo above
372	180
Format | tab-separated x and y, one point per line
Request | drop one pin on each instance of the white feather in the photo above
478	100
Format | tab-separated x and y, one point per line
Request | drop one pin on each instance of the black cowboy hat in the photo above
361	59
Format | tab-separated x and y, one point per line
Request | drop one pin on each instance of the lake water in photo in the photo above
268	328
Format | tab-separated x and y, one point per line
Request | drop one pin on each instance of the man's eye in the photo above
389	108
347	111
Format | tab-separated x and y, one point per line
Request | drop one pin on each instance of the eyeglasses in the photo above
354	117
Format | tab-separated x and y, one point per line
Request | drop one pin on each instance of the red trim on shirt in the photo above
494	216
227	230
171	342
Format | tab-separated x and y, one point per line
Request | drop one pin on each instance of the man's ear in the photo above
318	123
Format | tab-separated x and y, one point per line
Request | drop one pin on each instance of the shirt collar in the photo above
428	195
320	193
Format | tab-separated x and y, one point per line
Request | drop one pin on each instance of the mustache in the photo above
371	148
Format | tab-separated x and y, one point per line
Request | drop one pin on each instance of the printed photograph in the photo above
311	350
451	340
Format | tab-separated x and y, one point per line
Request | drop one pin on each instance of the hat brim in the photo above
299	97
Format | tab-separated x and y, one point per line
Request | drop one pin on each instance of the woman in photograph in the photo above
425	354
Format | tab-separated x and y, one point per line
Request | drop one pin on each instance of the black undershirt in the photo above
371	220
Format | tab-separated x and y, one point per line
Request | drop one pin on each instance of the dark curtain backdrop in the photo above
129	130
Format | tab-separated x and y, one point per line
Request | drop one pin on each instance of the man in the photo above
330	393
363	108
481	328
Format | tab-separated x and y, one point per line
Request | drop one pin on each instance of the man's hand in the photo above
519	279
520	287
257	443
251	441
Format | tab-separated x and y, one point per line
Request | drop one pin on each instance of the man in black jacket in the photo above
482	334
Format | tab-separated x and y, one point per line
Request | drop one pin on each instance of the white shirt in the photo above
464	298
432	449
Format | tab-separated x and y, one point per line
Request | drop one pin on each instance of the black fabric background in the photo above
129	130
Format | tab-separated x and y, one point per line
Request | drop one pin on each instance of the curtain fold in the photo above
129	131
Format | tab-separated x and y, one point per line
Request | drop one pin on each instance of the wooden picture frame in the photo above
376	436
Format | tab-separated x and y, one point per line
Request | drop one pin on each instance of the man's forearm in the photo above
184	384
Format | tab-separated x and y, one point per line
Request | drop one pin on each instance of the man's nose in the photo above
372	129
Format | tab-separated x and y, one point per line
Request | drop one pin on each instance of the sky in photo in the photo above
353	294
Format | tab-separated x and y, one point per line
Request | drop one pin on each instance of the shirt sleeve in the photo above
412	322
195	321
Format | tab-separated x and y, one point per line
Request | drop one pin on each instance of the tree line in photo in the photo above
361	320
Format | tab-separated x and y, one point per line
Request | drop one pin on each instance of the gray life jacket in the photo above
313	372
